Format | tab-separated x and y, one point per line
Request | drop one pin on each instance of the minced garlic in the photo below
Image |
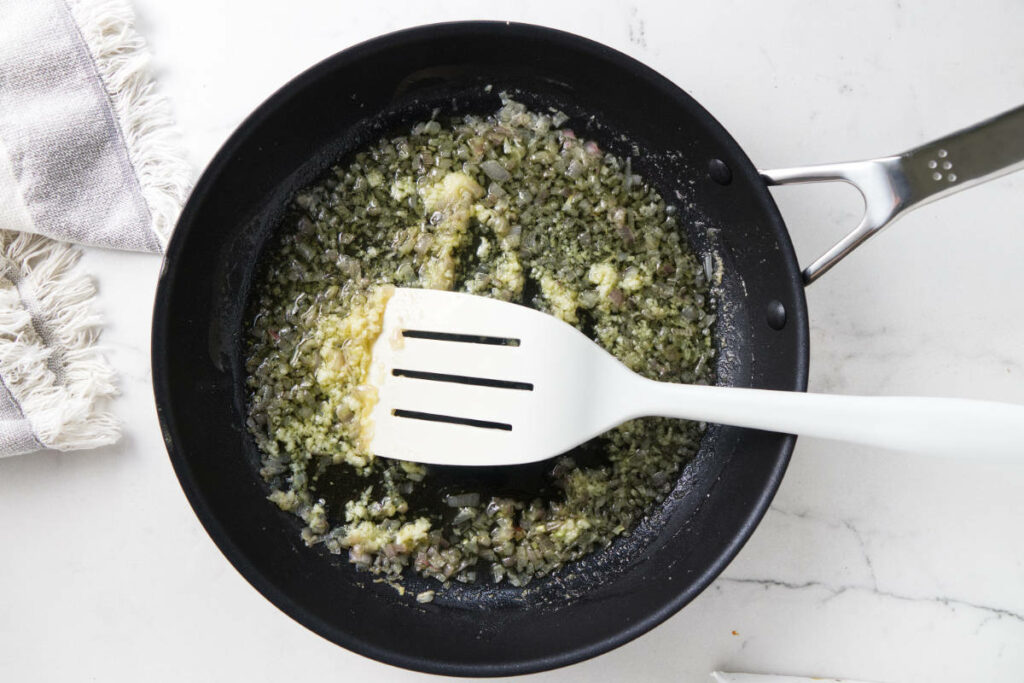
346	346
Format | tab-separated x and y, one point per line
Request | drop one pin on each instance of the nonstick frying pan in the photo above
385	85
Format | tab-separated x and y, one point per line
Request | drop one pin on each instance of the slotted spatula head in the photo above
466	380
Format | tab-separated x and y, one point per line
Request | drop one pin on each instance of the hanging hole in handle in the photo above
819	215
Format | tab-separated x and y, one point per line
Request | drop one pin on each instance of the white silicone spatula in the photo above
465	380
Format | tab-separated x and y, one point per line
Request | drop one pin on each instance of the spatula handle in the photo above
951	427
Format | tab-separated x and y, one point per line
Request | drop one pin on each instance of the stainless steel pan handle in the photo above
894	185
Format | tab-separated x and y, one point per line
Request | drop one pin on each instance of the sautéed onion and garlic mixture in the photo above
510	206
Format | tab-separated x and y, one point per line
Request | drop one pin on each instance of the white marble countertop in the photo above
870	565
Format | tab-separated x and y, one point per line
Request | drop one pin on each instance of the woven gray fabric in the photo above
16	435
65	149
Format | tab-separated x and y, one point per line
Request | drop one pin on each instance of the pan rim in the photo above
183	470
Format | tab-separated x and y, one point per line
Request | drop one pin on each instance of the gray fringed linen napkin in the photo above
87	155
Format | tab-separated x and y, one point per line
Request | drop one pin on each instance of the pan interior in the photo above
451	92
386	86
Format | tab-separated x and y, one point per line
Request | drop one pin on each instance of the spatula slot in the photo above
464	338
461	379
449	419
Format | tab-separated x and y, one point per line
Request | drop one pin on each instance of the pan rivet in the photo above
775	314
719	172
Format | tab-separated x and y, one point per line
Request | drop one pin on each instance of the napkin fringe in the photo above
48	356
147	126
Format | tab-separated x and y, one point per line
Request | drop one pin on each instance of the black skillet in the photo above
385	85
